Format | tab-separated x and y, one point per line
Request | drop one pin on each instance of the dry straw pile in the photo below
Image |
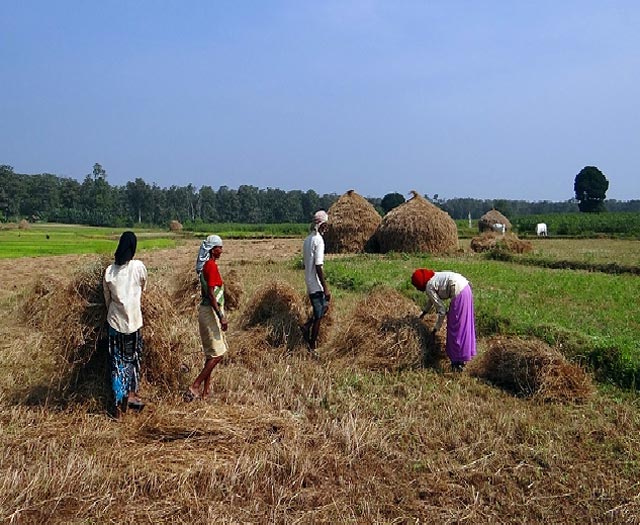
72	319
175	226
384	333
417	226
353	222
531	369
486	222
507	243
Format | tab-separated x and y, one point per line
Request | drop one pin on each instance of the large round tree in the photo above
591	187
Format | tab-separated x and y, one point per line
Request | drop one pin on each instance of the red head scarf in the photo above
420	277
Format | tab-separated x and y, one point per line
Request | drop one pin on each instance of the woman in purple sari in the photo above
461	331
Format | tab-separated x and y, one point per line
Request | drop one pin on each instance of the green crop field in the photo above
59	239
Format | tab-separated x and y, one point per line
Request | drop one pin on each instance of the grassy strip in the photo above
247	231
593	317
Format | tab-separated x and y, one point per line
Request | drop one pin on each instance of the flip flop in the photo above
136	404
189	396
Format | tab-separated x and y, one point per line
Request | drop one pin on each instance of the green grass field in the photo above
57	239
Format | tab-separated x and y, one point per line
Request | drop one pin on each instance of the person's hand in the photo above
224	324
327	296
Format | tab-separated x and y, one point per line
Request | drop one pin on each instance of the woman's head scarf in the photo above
205	248
126	248
421	277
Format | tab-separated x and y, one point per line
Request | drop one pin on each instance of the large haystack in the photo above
531	368
352	223
417	226
507	243
486	222
385	333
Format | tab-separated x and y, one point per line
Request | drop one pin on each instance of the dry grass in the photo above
287	439
486	222
417	226
509	243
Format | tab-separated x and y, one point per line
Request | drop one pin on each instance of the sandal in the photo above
136	404
189	396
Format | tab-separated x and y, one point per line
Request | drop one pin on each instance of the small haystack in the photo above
417	226
531	368
175	226
277	308
486	222
353	222
385	333
24	224
507	243
72	319
187	294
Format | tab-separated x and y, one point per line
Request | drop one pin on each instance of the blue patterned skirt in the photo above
125	352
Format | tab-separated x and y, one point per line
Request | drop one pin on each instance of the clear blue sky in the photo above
485	99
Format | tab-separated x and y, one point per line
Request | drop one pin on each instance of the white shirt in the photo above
123	285
443	285
312	256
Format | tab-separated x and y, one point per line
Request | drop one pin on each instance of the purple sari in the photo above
461	329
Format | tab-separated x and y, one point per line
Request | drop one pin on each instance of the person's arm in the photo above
441	308
325	288
106	291
216	308
143	276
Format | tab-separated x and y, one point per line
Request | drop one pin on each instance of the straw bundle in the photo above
507	243
24	224
352	223
531	369
417	226
486	222
384	332
188	295
175	226
72	319
276	307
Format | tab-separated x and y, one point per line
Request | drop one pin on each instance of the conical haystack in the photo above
352	223
417	226
486	222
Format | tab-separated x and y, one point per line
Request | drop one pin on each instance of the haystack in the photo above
187	294
385	333
175	226
277	308
24	224
352	223
486	222
507	243
72	318
417	226
531	368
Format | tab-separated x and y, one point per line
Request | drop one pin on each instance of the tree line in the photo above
50	198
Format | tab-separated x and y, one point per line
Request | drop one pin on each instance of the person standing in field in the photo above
317	289
461	333
211	320
123	284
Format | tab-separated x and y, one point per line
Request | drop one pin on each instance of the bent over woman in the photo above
461	331
123	283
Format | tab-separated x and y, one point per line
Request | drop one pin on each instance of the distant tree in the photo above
591	187
390	201
139	200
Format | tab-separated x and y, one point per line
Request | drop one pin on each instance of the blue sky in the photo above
485	99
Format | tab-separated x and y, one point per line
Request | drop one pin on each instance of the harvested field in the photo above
359	436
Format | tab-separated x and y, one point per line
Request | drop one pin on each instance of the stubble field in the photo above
290	439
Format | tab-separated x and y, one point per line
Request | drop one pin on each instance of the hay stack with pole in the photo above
486	222
417	226
531	368
384	333
353	222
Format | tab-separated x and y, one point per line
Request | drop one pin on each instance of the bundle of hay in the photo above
277	308
175	226
507	243
352	223
417	226
531	369
385	333
24	224
188	295
486	222
72	319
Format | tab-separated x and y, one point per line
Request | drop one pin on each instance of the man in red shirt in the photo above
211	321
